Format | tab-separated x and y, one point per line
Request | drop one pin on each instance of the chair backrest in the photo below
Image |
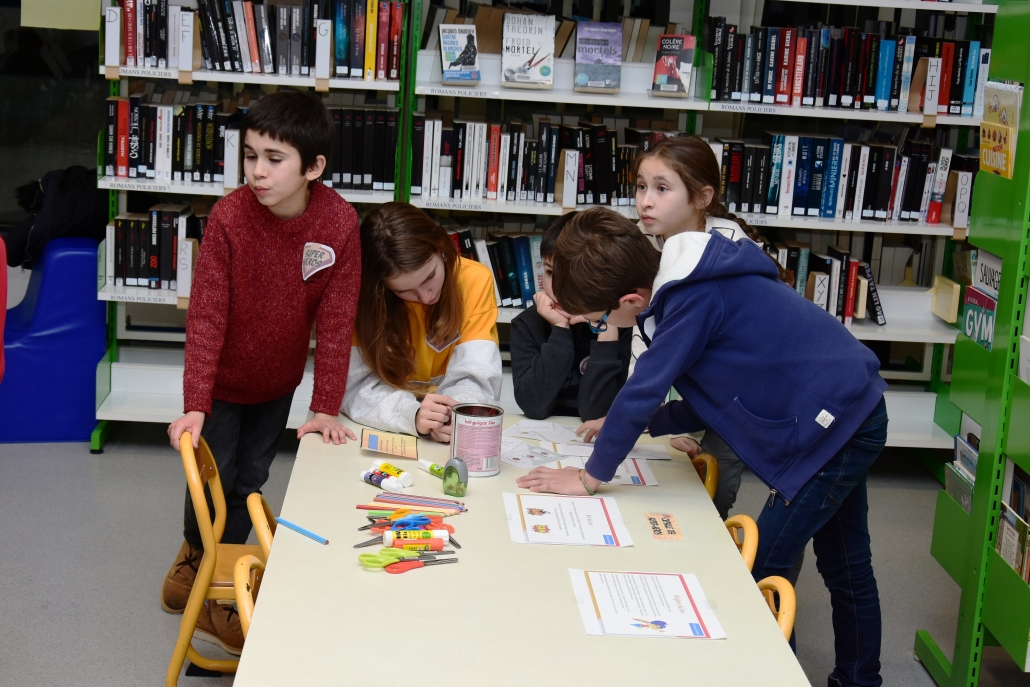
263	520
708	470
246	579
772	587
201	470
744	531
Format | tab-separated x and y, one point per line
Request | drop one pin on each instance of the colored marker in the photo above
300	530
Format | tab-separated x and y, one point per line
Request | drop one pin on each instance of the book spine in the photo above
120	242
842	184
371	45
728	61
884	72
933	215
947	65
872	44
831	178
928	183
772	51
745	80
785	68
981	81
232	34
874	307
798	79
899	191
552	165
811	69
240	24
718	32
357	42
264	39
772	199
861	178
757	69
896	69
341	38
788	175
435	176
252	37
306	46
849	301
969	80
111	138
129	23
906	73
802	176
383	41
297	64
133	141
396	24
958	78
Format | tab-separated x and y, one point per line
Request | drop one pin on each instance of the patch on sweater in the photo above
445	346
824	419
317	257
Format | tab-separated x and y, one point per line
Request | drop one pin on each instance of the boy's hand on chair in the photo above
687	445
434	413
590	429
564	481
550	311
191	422
329	427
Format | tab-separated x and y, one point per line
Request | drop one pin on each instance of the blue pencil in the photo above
301	530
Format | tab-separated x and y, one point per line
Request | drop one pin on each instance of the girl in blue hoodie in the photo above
787	387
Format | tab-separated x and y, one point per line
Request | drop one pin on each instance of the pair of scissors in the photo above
378	521
387	557
404	566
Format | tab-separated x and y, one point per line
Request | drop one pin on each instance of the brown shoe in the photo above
179	581
220	625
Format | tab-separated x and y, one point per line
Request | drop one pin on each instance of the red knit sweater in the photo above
249	324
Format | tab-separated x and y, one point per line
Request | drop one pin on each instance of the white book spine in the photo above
842	186
931	175
502	167
174	14
483	255
906	73
109	256
745	79
981	82
571	179
434	179
520	191
482	160
834	290
899	192
427	158
139	35
232	158
323	48
863	169
787	175
241	33
159	142
940	182
475	190
471	152
113	37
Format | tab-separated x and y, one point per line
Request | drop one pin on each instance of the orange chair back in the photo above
263	520
202	471
708	470
246	579
784	613
744	531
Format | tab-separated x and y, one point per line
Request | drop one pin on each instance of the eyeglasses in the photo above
602	324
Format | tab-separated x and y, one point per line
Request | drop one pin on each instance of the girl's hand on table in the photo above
564	481
329	427
687	445
434	413
590	429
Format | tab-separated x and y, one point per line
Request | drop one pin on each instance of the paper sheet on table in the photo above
632	472
644	605
543	431
643	452
523	455
573	520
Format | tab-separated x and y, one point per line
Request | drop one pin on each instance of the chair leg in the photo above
220	665
194	606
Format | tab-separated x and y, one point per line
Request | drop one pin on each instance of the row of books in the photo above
847	68
506	162
364	154
812	176
251	36
142	247
158	138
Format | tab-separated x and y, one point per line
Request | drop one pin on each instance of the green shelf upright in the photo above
995	601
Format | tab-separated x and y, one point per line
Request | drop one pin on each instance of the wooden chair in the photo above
246	579
708	470
744	531
263	520
774	586
214	579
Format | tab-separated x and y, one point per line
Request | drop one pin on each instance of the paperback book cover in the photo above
978	317
527	51
598	57
959	486
1012	539
966	457
673	65
459	54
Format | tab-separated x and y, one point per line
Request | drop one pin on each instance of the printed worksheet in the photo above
401	445
642	452
539	430
572	520
525	455
631	472
639	604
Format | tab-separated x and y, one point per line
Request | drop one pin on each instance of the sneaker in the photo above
220	625
833	682
175	591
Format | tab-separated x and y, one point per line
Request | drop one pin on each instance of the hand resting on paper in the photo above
565	481
329	427
687	445
434	414
590	429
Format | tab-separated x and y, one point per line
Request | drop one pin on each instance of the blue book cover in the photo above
884	72
804	170
801	278
817	177
831	179
459	54
969	82
524	267
772	198
772	44
341	47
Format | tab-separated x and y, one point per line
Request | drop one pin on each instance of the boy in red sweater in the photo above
279	254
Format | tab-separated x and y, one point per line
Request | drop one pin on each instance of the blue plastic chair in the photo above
53	341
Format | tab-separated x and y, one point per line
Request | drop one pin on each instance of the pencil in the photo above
301	530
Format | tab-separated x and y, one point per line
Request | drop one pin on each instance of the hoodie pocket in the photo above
767	445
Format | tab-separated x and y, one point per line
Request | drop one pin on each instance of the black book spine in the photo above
747	188
221	124
152	18
531	167
458	168
852	43
734	181
234	37
499	277
816	179
873	306
884	183
148	32
189	130
305	37
368	156
134	124
718	33
849	199
543	157
872	177
358	150
347	154
833	72
738	68
588	166
761	179
869	89
144	135
162	33
613	168
208	37
726	81
207	158
132	252
958	77
151	141
178	143
758	51
166	232
110	144
896	69
811	69
513	160
390	158
282	39
219	25
198	142
601	165
823	68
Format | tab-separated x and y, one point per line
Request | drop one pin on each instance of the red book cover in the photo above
785	66
122	170
130	32
248	19
396	23
863	69
849	299
383	40
798	82
455	240
495	154
947	61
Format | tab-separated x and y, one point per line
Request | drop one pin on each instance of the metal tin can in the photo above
476	437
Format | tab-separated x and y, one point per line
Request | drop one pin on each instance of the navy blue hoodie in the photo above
780	379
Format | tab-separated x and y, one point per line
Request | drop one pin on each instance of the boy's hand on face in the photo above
687	445
191	422
590	429
549	311
565	481
433	414
329	427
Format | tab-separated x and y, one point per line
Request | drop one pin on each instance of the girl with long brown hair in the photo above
426	335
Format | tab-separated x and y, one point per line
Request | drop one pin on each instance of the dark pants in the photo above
244	440
832	509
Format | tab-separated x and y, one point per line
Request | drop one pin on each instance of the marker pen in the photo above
390	536
378	479
431	467
406	478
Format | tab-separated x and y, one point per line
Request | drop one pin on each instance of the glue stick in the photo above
390	536
419	544
406	478
378	479
431	467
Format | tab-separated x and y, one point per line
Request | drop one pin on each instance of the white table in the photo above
505	614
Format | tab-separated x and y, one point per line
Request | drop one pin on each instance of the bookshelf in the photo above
252	79
846	113
929	5
201	189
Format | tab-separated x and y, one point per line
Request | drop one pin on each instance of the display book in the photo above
880	177
267	38
999	129
522	160
1013	531
980	303
875	68
142	249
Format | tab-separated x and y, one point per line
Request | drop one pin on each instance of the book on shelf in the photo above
459	54
959	486
966	457
598	66
527	53
978	317
673	66
142	247
1011	543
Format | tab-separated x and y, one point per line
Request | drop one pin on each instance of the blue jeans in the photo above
832	509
